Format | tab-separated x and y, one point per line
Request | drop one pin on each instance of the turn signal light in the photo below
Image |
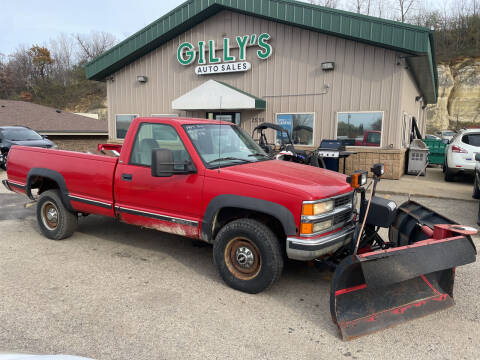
357	179
306	228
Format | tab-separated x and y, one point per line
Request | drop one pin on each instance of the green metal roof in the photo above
409	39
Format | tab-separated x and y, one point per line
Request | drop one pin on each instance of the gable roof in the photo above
47	120
213	94
409	39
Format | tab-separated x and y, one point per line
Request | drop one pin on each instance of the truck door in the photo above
170	204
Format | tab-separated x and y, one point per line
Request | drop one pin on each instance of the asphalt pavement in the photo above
115	291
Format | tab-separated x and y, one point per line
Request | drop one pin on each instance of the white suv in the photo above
460	153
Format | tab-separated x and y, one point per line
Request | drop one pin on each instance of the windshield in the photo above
449	133
224	145
20	134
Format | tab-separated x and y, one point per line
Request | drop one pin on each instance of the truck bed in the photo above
88	178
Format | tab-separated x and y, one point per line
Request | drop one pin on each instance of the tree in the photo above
41	60
405	6
92	45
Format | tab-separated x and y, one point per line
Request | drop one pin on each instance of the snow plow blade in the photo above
380	289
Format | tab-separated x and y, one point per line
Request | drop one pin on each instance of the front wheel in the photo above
248	256
54	219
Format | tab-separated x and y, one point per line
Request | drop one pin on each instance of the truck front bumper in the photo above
305	249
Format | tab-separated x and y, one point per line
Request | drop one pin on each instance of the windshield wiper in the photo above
228	158
259	154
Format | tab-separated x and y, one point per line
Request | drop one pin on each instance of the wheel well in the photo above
43	184
229	214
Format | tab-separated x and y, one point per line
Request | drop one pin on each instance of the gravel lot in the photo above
114	291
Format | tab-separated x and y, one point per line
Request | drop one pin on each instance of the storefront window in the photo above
300	127
360	129
122	123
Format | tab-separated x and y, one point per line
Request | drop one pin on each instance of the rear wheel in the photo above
449	176
54	219
248	256
476	190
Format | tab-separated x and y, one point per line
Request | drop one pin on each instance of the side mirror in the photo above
446	141
477	157
162	163
45	136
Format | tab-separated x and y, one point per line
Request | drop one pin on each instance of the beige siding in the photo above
409	106
365	78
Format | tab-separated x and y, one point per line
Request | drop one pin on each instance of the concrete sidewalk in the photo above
432	185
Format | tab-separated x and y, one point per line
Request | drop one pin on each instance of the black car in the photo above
19	135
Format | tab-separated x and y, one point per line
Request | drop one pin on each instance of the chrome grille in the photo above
343	200
342	217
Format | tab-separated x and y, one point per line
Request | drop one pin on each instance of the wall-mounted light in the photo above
328	66
142	79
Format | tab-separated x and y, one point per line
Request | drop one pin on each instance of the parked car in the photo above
431	137
460	153
445	134
210	181
19	135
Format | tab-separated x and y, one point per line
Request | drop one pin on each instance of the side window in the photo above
157	136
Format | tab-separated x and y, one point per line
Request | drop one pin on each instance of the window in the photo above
157	136
122	123
360	128
300	127
224	145
471	139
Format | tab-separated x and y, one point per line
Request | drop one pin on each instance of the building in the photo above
67	130
320	72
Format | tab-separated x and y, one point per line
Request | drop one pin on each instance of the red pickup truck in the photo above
174	175
209	180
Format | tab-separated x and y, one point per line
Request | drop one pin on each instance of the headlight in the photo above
317	208
310	228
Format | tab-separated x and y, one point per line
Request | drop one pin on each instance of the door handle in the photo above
127	177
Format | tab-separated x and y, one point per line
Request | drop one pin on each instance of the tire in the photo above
478	219
476	190
248	256
54	219
449	176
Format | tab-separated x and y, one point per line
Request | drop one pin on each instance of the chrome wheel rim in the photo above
242	258
49	214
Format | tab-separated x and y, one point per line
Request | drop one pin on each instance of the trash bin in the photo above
437	151
417	157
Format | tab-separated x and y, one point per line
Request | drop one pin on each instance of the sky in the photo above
33	22
27	22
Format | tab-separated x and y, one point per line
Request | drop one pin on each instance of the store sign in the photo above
223	68
208	62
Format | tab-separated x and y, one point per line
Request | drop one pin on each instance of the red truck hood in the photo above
310	182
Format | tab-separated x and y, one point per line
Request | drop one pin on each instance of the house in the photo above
67	130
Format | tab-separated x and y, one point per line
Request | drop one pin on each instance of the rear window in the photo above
471	139
20	134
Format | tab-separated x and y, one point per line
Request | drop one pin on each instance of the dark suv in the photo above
19	135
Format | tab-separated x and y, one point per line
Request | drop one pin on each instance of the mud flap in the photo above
376	290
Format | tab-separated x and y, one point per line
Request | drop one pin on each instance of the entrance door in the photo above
233	117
